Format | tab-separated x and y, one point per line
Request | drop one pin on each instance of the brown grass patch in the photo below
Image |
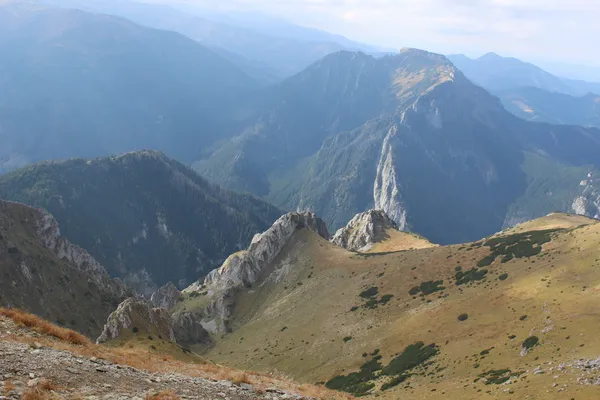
39	325
8	387
164	395
42	391
64	339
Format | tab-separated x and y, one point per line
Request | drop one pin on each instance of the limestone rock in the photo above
49	236
364	230
166	297
138	314
244	268
189	330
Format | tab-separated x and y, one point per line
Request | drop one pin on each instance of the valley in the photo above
224	201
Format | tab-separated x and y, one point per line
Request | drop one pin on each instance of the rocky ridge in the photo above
46	274
244	268
364	230
166	297
49	236
138	314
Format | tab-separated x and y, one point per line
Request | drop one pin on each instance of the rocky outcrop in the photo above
188	329
364	230
138	315
386	191
244	268
166	297
43	273
48	233
588	202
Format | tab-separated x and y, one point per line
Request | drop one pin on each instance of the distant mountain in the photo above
45	274
82	84
497	73
539	105
146	218
410	135
258	42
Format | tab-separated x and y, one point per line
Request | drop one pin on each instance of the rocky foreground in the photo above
30	367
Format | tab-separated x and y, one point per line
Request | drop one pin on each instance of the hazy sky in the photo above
559	30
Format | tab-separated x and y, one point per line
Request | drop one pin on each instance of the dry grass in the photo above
164	395
42	391
39	325
64	339
239	377
8	387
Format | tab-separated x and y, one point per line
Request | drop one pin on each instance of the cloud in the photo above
565	30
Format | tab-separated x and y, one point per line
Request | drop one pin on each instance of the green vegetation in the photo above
414	355
356	383
503	277
463	317
385	299
531	342
519	245
360	383
472	275
427	288
394	382
142	211
347	339
370	292
498	377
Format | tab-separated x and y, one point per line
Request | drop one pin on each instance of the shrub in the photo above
414	355
531	342
394	382
427	288
370	292
386	298
463	317
347	339
471	275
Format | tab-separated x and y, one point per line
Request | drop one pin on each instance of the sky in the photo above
553	31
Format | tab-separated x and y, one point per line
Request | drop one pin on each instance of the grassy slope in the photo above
398	241
298	325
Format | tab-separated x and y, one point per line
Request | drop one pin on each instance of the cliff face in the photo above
364	230
135	315
46	274
244	268
166	297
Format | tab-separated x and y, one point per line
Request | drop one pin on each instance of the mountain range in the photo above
78	84
266	48
411	135
531	93
146	218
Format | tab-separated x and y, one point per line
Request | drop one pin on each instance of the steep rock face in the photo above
49	235
166	297
188	329
386	191
138	314
588	202
364	230
244	268
45	274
